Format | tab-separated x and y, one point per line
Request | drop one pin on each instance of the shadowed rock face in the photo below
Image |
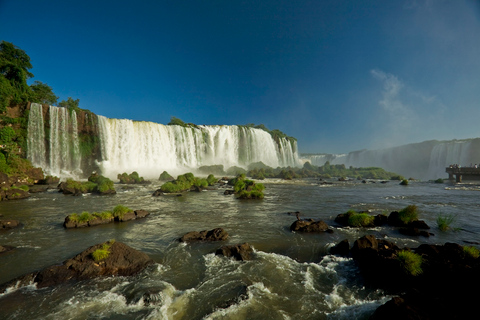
444	289
122	260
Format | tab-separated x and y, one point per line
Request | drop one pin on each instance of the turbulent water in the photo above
291	276
425	160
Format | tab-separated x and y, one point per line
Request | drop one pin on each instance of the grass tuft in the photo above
411	262
471	251
408	214
444	222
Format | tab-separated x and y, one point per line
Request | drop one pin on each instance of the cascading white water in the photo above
63	157
149	148
36	136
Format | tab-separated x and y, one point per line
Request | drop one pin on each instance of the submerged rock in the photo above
217	234
4	249
239	252
121	260
9	224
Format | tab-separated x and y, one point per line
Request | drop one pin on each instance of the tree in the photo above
14	66
177	122
42	93
70	103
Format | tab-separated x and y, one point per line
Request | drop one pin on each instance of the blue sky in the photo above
337	75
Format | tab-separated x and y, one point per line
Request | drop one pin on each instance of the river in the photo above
291	276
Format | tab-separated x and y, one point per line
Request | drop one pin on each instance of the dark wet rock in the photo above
342	248
152	297
217	234
38	188
121	261
442	290
4	249
411	231
97	221
239	252
128	216
13	193
9	224
395	221
310	225
141	214
49	180
229	192
157	193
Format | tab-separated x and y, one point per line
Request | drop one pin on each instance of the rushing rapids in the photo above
149	148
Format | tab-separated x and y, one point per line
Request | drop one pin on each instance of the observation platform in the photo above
463	173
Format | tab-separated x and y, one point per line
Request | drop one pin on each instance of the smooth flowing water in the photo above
291	276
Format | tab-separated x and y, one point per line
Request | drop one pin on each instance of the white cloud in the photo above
406	114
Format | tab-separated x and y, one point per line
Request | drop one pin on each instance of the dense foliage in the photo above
245	188
131	178
261	171
187	182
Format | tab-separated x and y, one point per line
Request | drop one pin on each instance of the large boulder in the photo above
310	225
217	234
239	252
121	260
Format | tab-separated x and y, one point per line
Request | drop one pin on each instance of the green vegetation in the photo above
261	171
359	219
471	251
119	211
410	262
103	184
165	176
130	178
211	180
444	222
42	93
185	182
439	180
177	122
404	182
103	252
85	216
408	214
247	189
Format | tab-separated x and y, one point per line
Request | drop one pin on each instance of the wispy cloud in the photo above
406	114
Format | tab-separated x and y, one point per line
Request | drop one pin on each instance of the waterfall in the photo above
424	160
62	156
150	148
36	136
